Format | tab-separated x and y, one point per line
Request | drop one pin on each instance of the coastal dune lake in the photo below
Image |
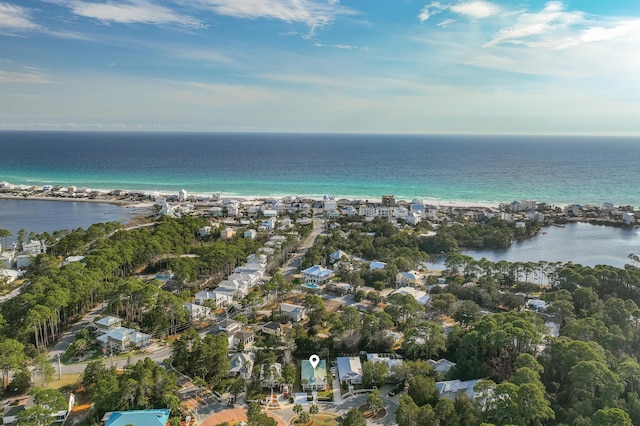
580	243
49	216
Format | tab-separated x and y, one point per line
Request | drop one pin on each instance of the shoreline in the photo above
12	191
107	198
114	202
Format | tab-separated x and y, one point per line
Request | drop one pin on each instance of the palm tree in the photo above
313	410
5	233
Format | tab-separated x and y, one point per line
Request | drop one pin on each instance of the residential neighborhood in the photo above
321	310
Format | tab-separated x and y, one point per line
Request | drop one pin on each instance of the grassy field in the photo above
66	379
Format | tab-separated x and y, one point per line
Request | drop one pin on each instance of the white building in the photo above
296	313
349	370
316	274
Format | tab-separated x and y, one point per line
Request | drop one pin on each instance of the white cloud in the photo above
9	77
446	22
15	18
473	9
201	55
310	12
552	23
338	46
133	11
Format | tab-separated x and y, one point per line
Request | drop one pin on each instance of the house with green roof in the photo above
313	378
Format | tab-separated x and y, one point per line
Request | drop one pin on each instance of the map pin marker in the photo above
314	360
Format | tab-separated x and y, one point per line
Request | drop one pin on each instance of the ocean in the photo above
438	169
435	168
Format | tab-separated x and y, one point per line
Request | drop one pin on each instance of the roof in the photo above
377	265
13	411
272	325
338	254
289	308
410	275
349	367
450	387
318	271
389	359
139	418
314	375
108	321
421	296
443	365
241	361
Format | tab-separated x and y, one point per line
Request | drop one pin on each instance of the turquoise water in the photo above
310	285
478	169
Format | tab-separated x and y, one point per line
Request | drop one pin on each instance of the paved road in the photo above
294	262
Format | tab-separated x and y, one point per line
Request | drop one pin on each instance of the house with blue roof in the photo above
376	265
137	418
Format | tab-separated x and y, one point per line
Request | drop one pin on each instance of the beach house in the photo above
313	378
349	370
123	339
316	274
408	278
241	364
295	313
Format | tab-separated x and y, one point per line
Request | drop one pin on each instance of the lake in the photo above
49	216
582	243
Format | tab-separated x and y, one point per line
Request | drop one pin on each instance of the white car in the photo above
333	371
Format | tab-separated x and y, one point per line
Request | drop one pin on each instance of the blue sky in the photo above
368	66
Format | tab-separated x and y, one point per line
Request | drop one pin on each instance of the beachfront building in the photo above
313	378
316	274
628	218
573	210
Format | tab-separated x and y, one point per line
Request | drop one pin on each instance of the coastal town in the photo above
212	310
